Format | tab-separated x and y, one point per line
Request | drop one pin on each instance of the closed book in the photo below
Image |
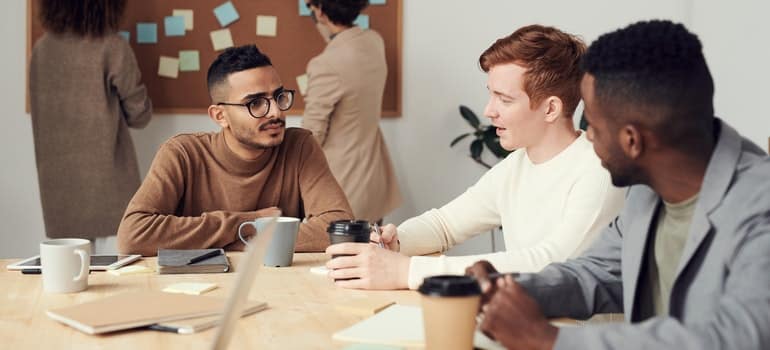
178	261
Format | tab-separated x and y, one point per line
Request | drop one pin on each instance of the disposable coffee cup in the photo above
342	231
449	307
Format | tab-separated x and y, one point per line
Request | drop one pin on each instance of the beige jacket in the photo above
342	108
84	95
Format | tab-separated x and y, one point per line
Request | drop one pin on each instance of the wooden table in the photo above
301	314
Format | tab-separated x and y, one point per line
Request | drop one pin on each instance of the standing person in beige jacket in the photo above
342	108
85	92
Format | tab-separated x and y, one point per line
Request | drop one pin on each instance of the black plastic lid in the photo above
349	227
450	286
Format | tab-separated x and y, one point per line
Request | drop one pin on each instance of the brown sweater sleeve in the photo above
124	75
322	197
149	222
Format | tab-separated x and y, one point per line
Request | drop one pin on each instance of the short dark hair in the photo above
657	70
341	12
233	60
93	18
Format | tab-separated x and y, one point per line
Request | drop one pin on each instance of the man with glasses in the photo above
201	186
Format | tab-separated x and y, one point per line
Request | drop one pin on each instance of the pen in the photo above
157	327
198	258
377	231
495	275
30	271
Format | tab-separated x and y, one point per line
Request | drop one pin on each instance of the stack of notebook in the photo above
187	261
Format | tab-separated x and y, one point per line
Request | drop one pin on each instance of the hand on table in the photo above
371	266
514	319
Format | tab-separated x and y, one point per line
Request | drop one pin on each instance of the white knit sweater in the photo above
549	212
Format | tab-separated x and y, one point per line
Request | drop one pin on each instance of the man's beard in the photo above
248	141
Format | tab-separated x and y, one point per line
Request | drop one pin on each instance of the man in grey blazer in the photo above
688	259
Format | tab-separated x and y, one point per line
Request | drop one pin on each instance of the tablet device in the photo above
98	262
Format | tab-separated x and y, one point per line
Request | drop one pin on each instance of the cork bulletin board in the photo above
295	43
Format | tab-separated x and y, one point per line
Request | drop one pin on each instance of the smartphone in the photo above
98	262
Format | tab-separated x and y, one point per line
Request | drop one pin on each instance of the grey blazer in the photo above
720	298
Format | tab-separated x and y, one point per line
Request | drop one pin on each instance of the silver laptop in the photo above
247	271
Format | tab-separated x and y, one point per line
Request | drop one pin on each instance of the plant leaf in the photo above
458	138
583	122
493	143
470	117
476	147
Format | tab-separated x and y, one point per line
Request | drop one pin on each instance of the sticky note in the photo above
303	9
146	33
189	60
131	270
188	17
302	84
267	25
226	14
192	288
174	25
168	67
376	2
362	21
125	34
221	39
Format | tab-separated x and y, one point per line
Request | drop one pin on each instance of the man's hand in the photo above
514	319
389	236
481	271
371	266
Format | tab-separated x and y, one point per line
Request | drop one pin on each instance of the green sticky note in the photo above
189	60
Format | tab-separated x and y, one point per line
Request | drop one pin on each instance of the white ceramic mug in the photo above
65	264
280	250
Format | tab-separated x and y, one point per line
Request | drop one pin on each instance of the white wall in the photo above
442	41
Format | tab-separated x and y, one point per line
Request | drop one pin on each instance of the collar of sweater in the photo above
237	165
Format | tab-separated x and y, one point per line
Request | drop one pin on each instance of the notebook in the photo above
176	261
135	309
399	325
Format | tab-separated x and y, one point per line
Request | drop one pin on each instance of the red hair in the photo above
551	58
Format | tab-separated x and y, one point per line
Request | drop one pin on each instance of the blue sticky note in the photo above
303	9
146	33
376	2
125	34
226	14
362	21
174	25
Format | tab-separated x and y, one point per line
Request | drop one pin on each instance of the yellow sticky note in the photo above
302	83
192	288
131	270
221	39
188	17
168	67
267	25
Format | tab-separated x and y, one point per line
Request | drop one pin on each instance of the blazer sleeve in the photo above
324	90
126	78
322	198
150	222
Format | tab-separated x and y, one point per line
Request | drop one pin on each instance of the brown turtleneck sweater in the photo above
198	191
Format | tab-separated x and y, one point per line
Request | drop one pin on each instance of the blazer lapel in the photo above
634	244
719	174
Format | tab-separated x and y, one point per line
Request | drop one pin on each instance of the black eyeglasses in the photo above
260	106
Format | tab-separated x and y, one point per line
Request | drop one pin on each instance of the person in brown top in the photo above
85	92
201	186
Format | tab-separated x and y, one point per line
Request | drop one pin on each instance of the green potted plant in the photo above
484	135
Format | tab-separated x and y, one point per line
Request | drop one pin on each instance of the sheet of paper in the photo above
189	60
146	33
226	14
188	17
302	84
221	39
125	34
131	270
168	67
191	288
267	25
303	9
174	25
362	21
